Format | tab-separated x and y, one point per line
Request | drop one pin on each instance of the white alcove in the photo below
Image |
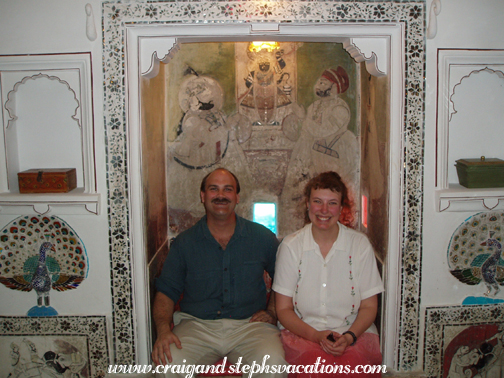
470	114
47	123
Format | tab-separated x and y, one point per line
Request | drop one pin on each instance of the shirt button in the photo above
325	265
225	290
324	285
225	269
218	312
323	304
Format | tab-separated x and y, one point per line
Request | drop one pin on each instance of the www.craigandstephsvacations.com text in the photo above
191	371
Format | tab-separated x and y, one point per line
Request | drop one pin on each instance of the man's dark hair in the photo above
203	182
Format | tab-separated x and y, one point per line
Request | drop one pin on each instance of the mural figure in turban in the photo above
204	136
324	143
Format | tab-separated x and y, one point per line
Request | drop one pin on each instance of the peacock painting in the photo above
41	254
475	252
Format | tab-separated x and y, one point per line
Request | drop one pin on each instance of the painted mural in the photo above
44	357
42	254
477	351
265	112
475	256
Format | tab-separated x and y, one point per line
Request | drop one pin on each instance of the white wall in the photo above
32	27
462	24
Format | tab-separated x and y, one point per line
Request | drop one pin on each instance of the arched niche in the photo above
47	123
43	130
381	51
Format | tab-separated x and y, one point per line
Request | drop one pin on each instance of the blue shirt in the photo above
219	283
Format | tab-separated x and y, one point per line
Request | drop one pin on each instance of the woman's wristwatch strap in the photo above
353	336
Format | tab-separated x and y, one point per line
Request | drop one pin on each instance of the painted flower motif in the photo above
8	326
65	325
409	334
115	13
113	86
97	354
122	303
151	11
379	11
341	11
189	11
93	327
410	302
435	317
35	326
116	161
413	126
415	12
305	11
117	196
115	123
465	315
413	200
415	51
496	313
411	269
123	336
227	10
265	11
414	163
412	235
433	349
119	233
120	268
414	89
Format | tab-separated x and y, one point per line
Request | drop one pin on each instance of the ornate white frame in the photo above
123	40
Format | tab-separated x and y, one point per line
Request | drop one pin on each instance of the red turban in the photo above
339	77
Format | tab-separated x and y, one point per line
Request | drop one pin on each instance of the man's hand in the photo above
161	351
265	316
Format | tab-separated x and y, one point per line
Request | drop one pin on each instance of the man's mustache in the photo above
221	201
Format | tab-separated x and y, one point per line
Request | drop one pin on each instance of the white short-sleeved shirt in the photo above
327	292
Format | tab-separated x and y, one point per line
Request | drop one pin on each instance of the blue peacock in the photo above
476	258
41	254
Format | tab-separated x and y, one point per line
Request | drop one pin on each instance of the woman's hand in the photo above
337	347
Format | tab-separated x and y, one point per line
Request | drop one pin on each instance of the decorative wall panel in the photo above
117	16
464	341
33	345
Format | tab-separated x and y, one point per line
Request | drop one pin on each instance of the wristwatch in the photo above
353	336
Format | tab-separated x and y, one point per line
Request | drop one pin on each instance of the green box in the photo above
481	173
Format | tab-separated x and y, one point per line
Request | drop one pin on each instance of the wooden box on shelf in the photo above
481	173
47	180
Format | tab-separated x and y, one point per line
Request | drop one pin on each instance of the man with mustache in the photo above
218	267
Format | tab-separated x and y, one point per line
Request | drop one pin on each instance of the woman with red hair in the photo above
327	285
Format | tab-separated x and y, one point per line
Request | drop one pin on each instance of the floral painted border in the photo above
92	327
437	318
115	17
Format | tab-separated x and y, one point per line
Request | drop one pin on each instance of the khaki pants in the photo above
205	342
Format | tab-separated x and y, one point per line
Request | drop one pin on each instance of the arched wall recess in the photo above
453	109
10	103
381	49
455	68
23	77
46	123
